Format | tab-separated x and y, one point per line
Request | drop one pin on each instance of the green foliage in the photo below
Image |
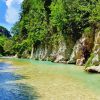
55	39
0	55
8	47
58	13
87	30
88	63
15	29
2	41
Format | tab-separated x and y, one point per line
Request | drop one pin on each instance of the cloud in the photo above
12	12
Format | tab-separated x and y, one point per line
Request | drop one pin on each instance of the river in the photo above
23	79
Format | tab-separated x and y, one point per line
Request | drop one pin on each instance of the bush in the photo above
88	63
0	55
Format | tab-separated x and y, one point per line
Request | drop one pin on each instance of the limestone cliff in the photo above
59	51
82	49
95	55
85	50
93	63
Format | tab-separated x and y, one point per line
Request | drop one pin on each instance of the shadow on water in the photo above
14	91
4	66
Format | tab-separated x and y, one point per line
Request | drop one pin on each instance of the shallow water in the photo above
38	80
13	91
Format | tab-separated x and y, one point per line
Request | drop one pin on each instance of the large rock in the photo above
93	69
81	50
80	61
59	58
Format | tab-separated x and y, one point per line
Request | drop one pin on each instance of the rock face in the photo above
95	56
81	50
68	51
96	50
59	52
94	60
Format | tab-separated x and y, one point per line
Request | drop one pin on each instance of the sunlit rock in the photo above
93	69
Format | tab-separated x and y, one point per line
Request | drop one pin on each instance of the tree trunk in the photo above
32	52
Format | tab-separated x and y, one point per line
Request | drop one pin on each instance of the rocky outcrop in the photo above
59	58
56	52
81	50
93	69
95	56
41	52
96	50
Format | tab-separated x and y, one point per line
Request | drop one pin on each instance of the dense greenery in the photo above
46	21
4	37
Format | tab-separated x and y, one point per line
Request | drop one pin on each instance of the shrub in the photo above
88	63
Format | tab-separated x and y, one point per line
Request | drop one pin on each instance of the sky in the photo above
9	12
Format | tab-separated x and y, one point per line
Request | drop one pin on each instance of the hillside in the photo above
4	37
4	31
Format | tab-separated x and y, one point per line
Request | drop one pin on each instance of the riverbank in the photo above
7	57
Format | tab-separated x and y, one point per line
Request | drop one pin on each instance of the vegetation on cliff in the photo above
4	37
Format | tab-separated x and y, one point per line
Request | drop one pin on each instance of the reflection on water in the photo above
14	91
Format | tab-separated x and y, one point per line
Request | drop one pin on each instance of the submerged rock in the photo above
93	69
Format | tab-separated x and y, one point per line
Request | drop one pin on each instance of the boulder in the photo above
93	69
59	58
16	56
80	62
